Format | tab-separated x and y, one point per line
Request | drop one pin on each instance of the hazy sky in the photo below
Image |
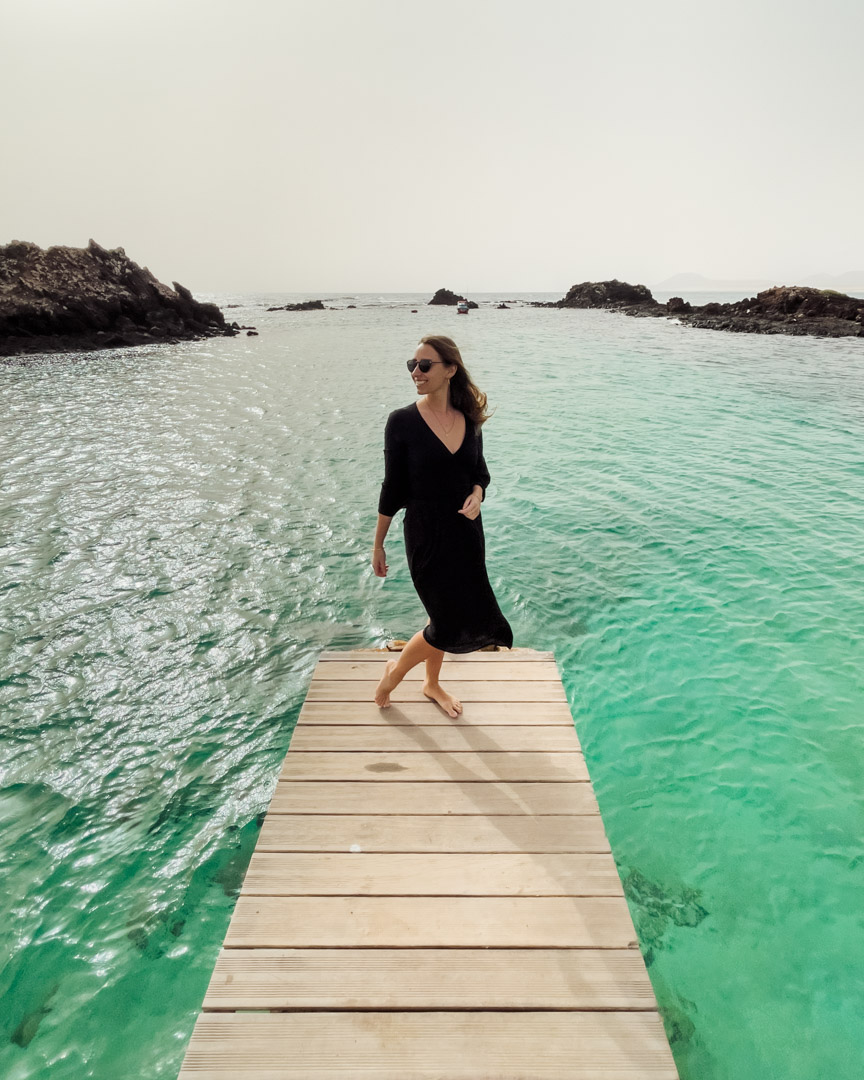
393	145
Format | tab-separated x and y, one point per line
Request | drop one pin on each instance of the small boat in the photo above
462	307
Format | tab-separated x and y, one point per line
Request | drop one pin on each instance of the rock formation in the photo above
780	310
784	310
444	296
591	294
66	298
304	305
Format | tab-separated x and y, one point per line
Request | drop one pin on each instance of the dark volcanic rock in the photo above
605	294
781	310
444	296
785	310
67	298
305	305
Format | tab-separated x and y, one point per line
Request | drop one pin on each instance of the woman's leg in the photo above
433	689
418	649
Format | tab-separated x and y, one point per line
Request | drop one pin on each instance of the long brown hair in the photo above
464	395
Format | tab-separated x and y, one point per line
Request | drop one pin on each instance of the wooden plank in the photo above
505	655
494	766
429	1045
417	739
432	897
349	832
465	691
430	979
363	797
276	922
372	874
372	671
427	712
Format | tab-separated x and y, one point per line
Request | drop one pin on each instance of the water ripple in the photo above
678	513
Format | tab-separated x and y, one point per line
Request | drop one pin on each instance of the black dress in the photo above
446	550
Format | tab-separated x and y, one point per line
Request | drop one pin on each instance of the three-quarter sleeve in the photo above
481	473
394	489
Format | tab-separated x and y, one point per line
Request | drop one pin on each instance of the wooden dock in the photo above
431	897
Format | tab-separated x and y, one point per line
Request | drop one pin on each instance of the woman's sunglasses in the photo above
424	365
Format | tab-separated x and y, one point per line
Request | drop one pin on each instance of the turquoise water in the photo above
679	514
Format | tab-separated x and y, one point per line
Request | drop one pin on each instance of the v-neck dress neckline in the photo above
438	438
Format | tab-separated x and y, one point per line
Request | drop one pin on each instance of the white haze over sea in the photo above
488	145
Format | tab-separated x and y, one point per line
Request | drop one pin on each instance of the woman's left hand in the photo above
471	506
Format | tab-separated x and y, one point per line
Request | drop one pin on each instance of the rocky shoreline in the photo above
71	299
797	309
80	299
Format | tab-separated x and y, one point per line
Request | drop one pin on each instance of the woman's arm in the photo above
394	489
394	494
379	559
481	472
471	506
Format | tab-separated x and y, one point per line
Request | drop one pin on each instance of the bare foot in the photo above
386	686
451	705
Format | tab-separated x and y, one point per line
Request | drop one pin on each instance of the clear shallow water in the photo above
678	513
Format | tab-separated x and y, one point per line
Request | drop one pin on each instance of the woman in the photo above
434	467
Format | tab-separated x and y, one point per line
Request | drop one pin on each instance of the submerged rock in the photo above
65	298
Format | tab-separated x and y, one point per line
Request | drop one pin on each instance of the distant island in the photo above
782	309
71	299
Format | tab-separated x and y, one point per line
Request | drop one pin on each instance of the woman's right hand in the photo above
379	562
